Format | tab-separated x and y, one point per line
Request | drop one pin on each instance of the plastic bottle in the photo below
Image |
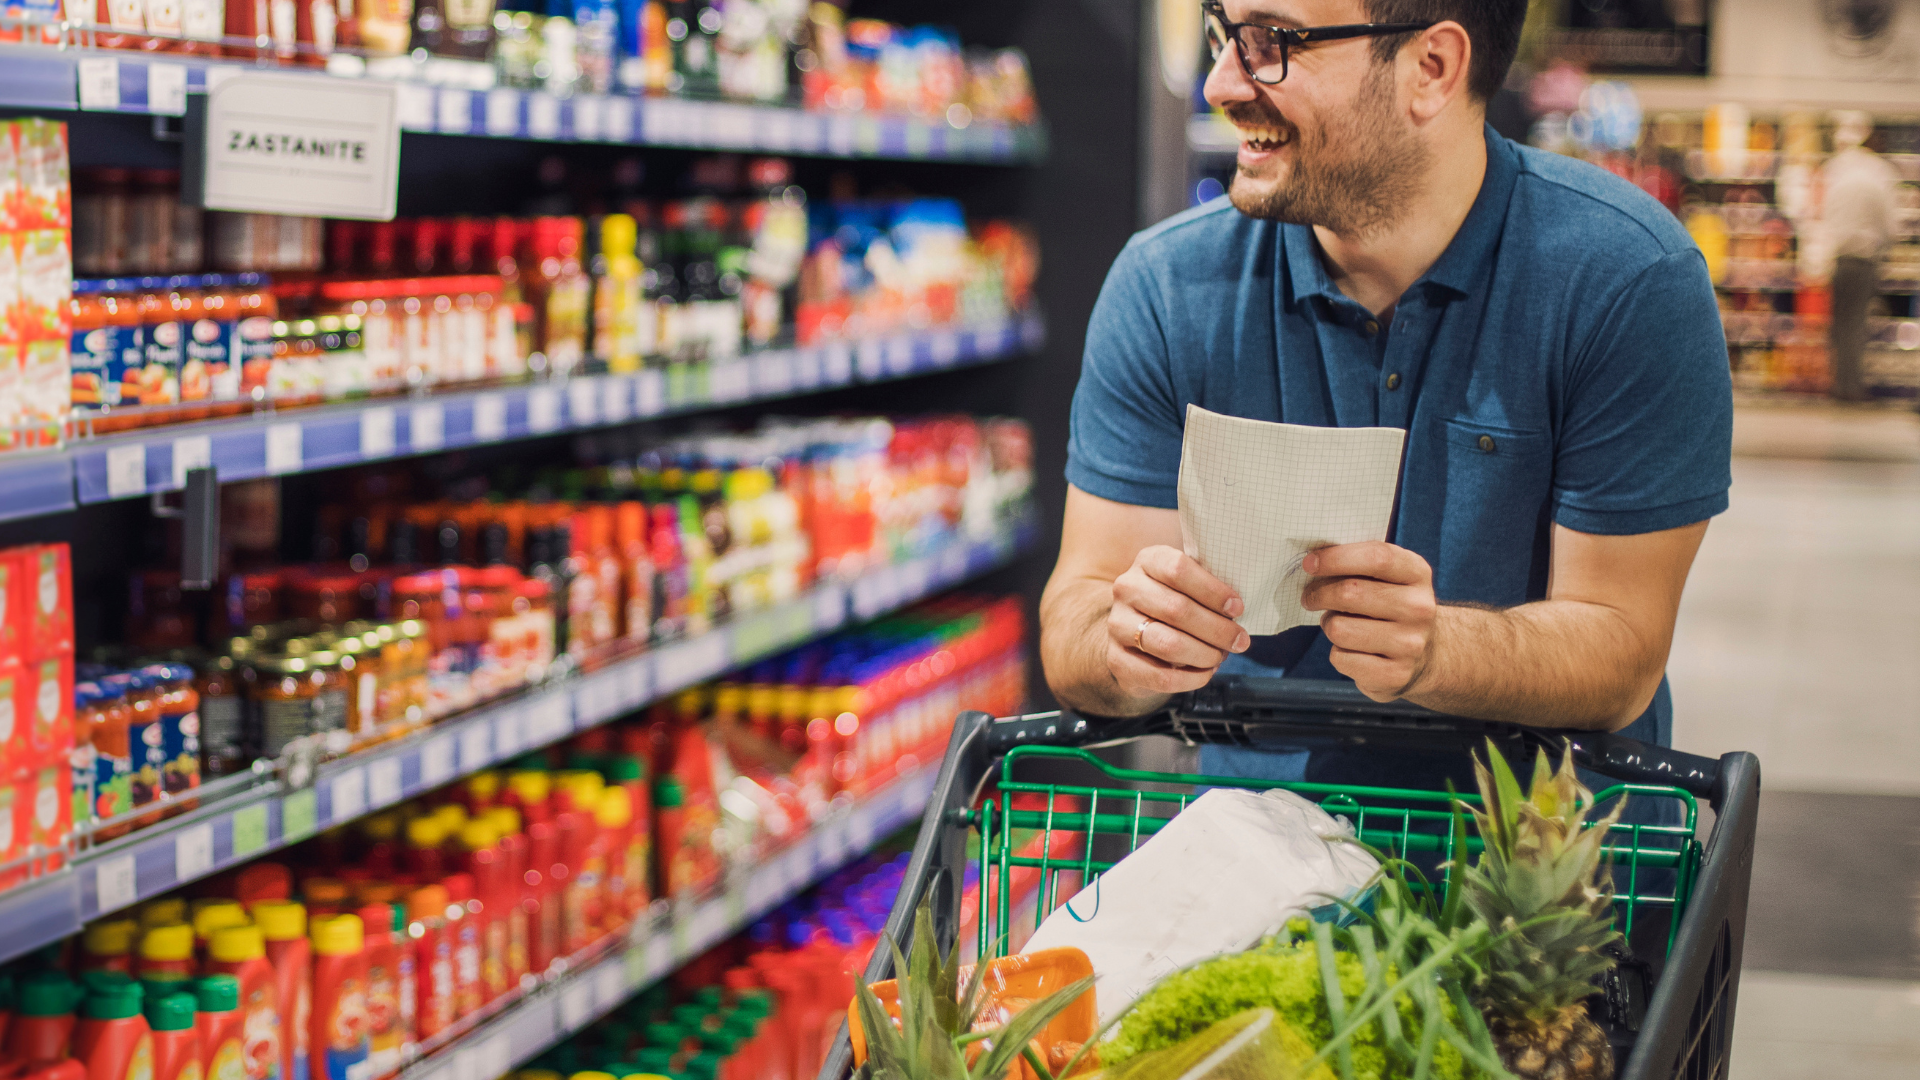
42	1026
241	951
213	916
221	1028
339	1039
166	953
518	897
283	924
546	941
672	864
433	960
108	946
176	1044
383	990
111	1036
263	881
466	935
425	855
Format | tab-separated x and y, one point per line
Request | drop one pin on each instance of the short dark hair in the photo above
1493	26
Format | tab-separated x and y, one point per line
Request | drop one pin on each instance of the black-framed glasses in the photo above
1263	49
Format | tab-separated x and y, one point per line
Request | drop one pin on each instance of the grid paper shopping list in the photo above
1256	496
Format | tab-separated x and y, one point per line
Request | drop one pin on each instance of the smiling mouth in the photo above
1260	138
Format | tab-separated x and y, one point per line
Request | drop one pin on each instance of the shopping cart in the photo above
1682	905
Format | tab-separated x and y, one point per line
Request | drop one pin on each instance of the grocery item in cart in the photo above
1228	870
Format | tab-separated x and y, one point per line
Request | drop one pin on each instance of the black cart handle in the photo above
1253	711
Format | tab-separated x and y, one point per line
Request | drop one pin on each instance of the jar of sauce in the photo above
283	699
210	343
223	748
327	598
178	705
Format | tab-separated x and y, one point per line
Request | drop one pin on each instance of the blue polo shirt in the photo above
1562	362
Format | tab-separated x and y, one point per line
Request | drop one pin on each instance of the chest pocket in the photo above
1499	484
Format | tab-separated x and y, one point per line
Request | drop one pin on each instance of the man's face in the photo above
1329	145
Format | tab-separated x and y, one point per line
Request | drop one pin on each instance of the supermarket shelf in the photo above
162	857
658	946
112	81
157	459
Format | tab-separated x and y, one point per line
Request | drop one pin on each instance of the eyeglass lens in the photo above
1263	54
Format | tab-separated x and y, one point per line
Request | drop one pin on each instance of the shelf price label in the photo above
113	883
193	853
292	144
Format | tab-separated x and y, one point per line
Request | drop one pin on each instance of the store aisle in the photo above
1797	640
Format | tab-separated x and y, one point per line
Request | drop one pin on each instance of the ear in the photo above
1440	57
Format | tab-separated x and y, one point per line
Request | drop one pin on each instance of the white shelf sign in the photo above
288	144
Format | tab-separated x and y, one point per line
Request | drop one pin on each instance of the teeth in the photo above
1258	134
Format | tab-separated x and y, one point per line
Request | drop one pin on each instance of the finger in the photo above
1378	678
1373	558
1150	598
1171	566
1364	596
1137	673
1378	637
1131	629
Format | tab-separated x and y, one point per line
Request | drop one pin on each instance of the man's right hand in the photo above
1171	625
1121	566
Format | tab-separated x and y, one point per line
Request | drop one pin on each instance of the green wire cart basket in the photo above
1009	788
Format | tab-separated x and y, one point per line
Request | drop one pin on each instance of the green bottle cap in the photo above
625	767
668	792
172	1012
47	993
690	1017
710	996
654	1059
217	993
113	1001
703	1066
721	1042
754	1000
663	1036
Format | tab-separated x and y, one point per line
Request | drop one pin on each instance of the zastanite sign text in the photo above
302	144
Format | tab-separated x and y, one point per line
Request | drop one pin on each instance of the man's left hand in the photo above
1379	613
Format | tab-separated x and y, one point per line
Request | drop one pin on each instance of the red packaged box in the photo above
36	812
46	695
38	607
16	712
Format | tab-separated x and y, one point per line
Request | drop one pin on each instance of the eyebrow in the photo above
1270	18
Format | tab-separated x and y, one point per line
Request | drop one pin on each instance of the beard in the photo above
1353	185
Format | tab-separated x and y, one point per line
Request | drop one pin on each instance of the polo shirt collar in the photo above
1465	262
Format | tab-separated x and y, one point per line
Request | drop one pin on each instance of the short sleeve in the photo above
1646	437
1124	434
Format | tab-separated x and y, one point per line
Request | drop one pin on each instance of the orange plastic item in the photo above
241	951
1011	984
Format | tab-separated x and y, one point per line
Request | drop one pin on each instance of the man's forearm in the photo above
1073	649
1551	663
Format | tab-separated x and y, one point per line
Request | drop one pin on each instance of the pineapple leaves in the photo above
1011	1040
886	1045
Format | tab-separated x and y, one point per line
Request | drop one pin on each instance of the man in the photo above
1545	332
1859	213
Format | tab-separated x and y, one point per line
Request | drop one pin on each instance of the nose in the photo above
1227	81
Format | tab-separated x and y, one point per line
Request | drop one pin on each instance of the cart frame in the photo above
1687	1030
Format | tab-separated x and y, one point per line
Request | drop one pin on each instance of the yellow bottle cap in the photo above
762	699
216	917
338	935
504	819
162	912
614	810
173	941
281	920
591	1075
426	832
452	817
583	785
112	937
380	827
483	787
530	786
237	943
477	835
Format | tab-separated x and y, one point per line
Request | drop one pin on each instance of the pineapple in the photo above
1540	887
941	1034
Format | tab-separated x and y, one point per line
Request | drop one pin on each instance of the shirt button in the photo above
1372	327
1393	381
1486	443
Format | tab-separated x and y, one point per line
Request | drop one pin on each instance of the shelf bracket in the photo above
200	529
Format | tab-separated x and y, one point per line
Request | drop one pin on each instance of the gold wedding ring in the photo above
1144	623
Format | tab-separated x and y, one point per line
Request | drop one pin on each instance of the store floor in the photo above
1799	639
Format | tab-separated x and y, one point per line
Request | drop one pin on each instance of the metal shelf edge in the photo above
165	856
